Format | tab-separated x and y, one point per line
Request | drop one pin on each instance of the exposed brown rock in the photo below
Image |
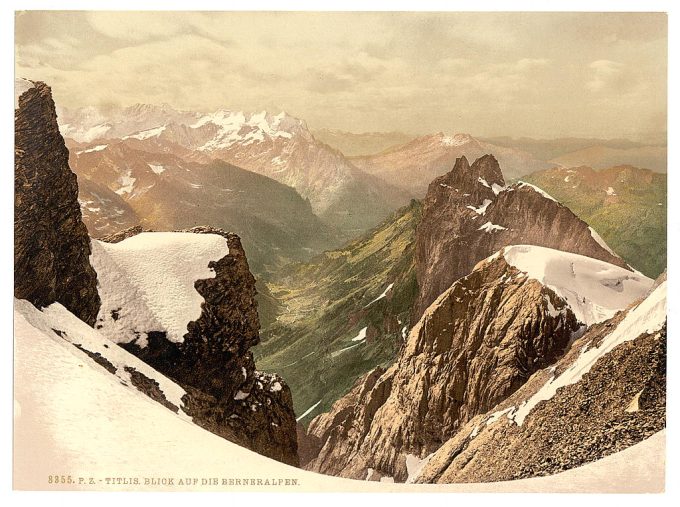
583	422
475	346
449	241
51	245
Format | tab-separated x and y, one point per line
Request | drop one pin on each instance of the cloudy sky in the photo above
540	75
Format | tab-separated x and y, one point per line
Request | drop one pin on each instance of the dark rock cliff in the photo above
451	237
226	394
51	245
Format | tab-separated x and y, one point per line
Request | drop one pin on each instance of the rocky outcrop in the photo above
619	401
213	362
469	214
51	245
55	260
477	344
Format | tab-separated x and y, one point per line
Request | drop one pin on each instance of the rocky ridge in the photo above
469	213
479	343
618	401
51	245
224	393
474	346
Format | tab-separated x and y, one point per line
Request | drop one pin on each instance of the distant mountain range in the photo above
277	146
366	143
122	184
414	165
596	153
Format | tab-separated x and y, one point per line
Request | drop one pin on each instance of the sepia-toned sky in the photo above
519	74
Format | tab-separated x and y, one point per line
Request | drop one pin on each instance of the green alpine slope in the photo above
332	325
624	204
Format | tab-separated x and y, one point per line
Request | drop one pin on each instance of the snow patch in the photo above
158	169
600	241
497	189
343	350
146	282
594	290
361	336
384	294
497	415
536	189
127	183
481	209
147	134
489	227
308	411
99	147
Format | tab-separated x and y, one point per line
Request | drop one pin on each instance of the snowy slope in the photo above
58	324
146	282
595	290
648	316
73	418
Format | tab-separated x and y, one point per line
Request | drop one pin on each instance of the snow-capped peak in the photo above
595	290
247	128
454	140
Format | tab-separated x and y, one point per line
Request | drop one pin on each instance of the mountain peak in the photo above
485	172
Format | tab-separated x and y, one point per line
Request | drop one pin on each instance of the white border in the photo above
6	207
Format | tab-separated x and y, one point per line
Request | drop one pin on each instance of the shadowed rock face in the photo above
51	245
477	344
226	395
451	238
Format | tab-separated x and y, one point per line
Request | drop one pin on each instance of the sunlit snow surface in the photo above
60	325
146	282
73	417
595	290
146	134
536	189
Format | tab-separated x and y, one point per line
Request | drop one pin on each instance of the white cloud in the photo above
605	74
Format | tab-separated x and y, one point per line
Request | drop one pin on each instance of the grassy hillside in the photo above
624	204
327	302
